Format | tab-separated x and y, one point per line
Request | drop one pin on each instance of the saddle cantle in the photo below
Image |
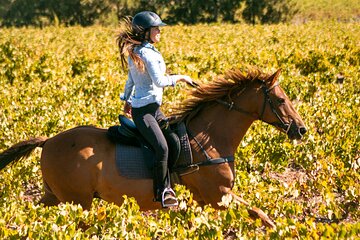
131	147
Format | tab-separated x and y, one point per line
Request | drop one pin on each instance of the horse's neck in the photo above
219	130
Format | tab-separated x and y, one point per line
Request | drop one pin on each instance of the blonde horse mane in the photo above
233	81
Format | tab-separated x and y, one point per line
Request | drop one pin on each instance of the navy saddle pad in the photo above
131	162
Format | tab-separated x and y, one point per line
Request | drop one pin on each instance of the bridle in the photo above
231	106
266	90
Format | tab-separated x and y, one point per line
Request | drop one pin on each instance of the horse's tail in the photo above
20	150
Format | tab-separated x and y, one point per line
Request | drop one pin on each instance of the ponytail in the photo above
129	38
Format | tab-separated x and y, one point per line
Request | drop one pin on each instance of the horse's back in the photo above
77	146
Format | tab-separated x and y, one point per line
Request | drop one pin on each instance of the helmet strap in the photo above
147	35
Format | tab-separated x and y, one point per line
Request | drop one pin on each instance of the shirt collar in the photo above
149	45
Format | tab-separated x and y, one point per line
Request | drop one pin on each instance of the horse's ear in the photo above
273	78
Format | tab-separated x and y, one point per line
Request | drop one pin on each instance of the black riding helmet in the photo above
147	19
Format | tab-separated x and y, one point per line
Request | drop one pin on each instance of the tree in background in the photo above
269	11
87	12
50	12
18	13
192	12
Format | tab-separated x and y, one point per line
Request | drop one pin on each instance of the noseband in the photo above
281	124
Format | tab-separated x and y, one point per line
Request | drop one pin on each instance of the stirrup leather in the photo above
172	198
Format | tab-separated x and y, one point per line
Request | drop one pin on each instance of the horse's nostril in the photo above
302	130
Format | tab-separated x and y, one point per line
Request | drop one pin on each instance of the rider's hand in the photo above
186	79
127	109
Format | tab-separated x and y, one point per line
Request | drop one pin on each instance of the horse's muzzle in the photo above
295	131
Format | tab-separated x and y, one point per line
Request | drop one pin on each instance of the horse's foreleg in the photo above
254	212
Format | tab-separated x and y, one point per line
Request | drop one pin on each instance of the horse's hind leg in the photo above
84	199
49	199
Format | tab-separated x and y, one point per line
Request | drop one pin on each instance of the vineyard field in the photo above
56	78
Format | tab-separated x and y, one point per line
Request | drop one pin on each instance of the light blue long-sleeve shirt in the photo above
143	88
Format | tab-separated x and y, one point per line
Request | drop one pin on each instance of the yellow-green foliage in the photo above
57	78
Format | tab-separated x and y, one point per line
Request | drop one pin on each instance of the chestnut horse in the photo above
79	164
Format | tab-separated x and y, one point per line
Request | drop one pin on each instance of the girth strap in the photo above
187	169
214	161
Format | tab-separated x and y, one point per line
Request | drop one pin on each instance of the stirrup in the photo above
170	196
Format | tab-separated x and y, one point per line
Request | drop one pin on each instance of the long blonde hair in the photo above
130	37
